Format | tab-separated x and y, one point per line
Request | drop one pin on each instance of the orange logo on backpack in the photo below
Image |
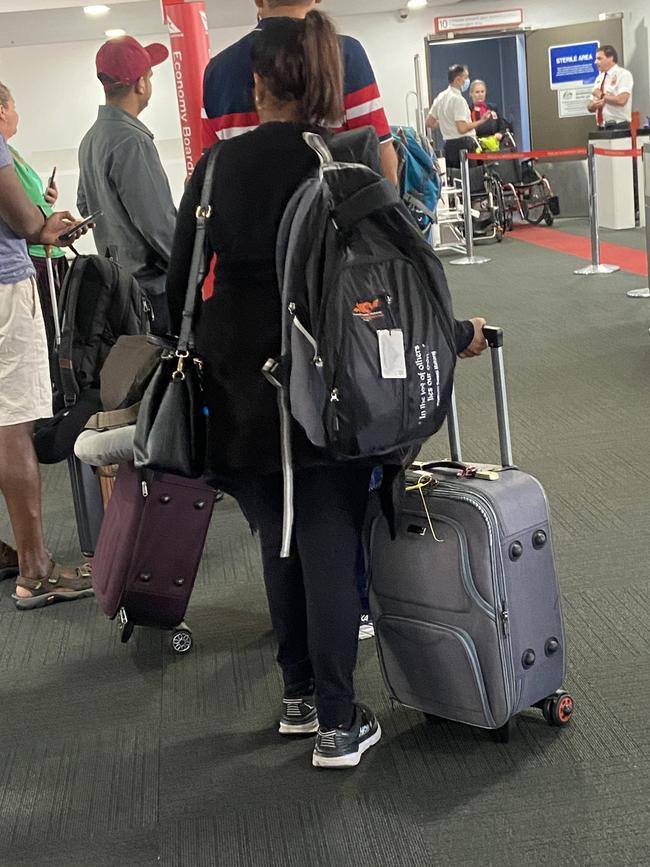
368	310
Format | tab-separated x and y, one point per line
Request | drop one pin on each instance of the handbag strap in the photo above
198	265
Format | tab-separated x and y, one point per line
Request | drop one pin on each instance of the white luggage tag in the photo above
392	356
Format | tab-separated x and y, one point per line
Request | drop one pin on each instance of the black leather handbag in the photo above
170	433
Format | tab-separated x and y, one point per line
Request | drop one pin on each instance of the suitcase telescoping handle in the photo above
494	337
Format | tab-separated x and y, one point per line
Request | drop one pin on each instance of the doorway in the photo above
501	62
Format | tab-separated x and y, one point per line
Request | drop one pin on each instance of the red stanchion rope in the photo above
525	155
606	152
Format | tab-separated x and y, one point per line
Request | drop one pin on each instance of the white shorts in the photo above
25	387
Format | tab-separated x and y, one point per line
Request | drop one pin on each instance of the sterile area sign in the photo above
572	65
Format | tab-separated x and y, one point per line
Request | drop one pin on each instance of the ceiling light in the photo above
96	11
114	34
417	4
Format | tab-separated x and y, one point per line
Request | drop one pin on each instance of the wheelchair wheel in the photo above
500	212
549	219
533	215
534	206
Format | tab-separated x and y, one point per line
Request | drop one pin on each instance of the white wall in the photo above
59	104
392	44
56	110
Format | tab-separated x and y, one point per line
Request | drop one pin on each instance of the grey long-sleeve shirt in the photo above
120	173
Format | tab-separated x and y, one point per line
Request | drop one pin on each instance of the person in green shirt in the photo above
44	200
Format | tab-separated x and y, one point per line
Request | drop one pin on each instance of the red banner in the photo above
187	24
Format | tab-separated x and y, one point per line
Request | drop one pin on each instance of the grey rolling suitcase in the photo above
465	599
88	504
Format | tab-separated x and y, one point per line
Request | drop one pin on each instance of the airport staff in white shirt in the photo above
611	100
450	111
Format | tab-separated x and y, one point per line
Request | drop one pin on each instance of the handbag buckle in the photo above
179	373
205	212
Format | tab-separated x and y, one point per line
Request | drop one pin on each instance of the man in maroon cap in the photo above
120	172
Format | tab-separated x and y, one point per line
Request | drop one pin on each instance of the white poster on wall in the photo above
572	102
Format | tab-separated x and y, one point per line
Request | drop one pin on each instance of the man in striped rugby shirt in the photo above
228	87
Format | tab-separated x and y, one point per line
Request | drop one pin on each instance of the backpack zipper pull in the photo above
148	309
334	396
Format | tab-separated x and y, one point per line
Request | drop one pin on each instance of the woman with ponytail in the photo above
312	596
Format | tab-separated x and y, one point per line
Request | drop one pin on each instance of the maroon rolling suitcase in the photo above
149	550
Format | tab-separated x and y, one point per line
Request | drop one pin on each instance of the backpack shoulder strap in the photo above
70	297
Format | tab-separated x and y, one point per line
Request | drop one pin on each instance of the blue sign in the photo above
573	64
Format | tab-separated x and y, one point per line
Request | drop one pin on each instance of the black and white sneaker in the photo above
343	748
299	716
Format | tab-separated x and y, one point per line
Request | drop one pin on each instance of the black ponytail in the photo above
323	98
300	61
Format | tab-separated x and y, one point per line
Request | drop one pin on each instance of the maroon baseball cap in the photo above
124	60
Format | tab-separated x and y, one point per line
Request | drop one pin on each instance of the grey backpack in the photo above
368	348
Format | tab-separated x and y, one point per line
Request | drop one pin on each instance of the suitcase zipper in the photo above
489	516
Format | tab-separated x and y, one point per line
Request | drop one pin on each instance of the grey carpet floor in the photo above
129	755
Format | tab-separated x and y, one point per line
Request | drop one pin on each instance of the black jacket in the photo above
238	328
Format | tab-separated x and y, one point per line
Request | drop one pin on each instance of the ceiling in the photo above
25	22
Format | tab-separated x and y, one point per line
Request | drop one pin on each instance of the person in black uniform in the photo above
312	595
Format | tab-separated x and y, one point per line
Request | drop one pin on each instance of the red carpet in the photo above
627	258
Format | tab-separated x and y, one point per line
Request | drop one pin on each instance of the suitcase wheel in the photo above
182	641
558	708
502	735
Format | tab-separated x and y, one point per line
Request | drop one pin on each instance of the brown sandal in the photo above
8	561
55	587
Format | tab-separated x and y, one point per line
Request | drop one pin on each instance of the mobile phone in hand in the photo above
66	236
50	180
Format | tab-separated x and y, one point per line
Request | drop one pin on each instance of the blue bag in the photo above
419	174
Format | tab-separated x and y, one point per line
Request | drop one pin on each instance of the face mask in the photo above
465	85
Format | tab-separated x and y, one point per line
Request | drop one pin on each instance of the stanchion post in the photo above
420	120
469	258
596	266
645	292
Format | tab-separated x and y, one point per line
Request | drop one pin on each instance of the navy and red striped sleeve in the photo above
228	107
228	104
363	102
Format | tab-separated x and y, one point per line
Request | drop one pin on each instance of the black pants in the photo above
313	596
623	124
454	146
